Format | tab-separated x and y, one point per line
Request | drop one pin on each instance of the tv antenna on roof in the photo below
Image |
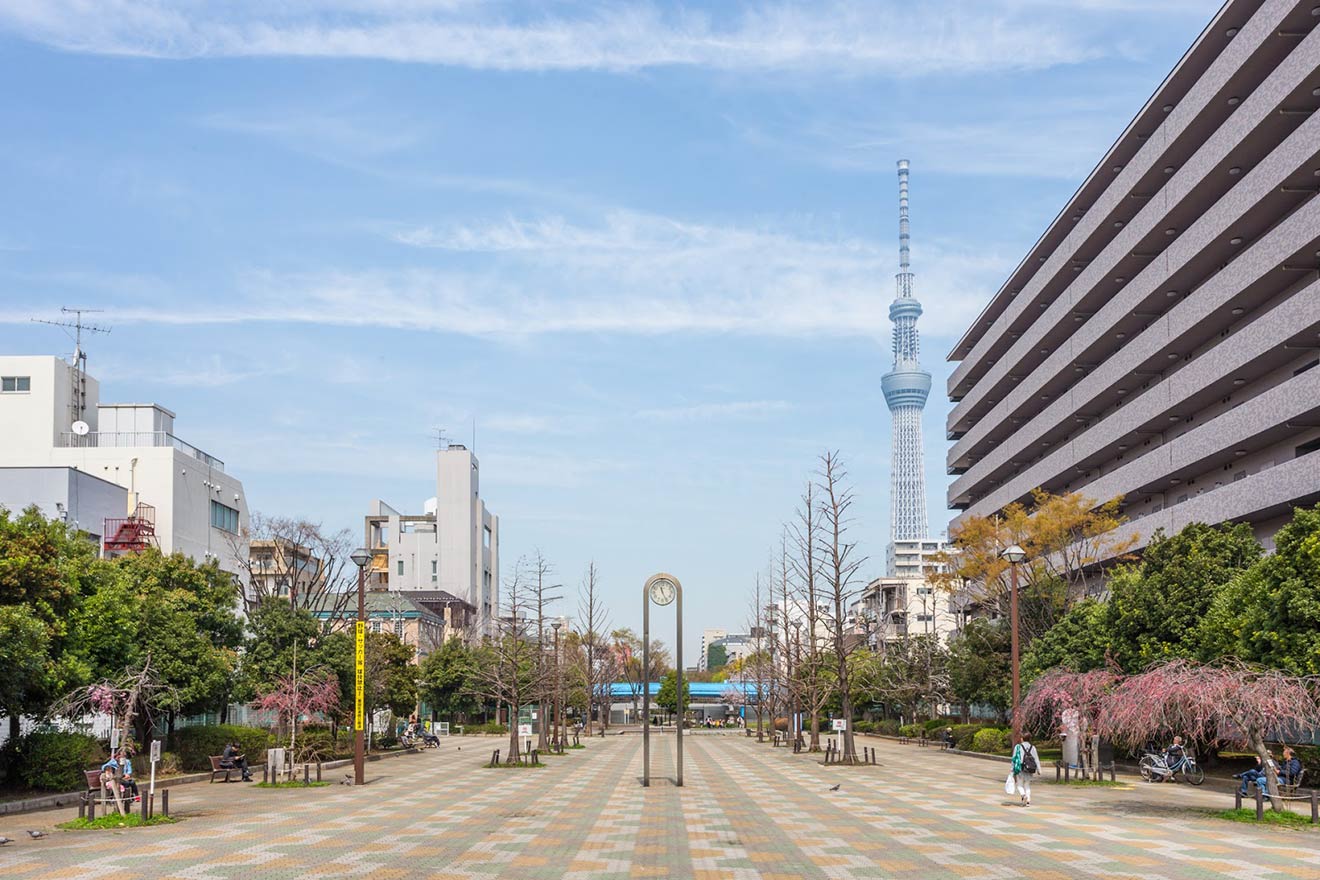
441	441
79	403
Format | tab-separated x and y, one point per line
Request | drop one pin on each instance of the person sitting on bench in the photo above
126	778
1291	769
1255	775
231	759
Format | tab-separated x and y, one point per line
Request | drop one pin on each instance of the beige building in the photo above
411	621
1160	339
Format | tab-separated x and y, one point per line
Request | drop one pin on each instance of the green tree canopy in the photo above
445	680
980	664
667	698
1156	607
1270	614
1079	641
716	657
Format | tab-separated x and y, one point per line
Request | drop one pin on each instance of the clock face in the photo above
662	592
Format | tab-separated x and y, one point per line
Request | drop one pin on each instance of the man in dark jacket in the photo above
232	758
1290	771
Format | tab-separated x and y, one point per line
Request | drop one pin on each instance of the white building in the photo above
895	608
52	417
708	636
914	558
453	547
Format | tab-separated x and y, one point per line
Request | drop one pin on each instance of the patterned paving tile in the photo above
746	811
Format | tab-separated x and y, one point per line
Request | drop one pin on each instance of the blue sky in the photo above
649	248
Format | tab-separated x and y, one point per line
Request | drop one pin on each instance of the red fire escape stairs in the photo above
131	534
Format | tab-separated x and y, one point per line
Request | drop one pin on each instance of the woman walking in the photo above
1026	764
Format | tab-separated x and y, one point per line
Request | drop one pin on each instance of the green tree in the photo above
716	657
1270	614
1156	608
980	666
667	697
445	680
391	676
1079	641
276	632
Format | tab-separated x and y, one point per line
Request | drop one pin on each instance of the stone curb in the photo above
70	799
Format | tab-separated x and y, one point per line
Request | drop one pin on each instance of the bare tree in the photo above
757	664
841	564
132	701
541	594
594	627
298	561
806	566
514	670
779	631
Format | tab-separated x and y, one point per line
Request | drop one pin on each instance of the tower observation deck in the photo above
906	387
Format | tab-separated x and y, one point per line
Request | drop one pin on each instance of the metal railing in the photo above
116	439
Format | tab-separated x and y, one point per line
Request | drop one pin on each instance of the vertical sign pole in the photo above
359	716
646	685
678	675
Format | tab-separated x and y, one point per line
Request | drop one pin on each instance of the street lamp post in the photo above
360	558
1014	555
556	738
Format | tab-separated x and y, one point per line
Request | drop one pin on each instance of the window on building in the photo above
398	628
400	567
224	517
925	617
16	384
375	626
924	591
485	537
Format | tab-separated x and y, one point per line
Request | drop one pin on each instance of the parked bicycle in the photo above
1155	769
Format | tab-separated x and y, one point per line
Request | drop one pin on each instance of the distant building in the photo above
914	558
895	608
413	622
452	547
178	497
1158	342
707	637
80	499
280	567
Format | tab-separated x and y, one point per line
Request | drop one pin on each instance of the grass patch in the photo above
575	747
1280	818
133	820
294	783
1089	783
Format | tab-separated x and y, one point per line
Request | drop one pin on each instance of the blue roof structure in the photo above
697	690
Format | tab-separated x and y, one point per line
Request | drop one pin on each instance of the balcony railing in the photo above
115	439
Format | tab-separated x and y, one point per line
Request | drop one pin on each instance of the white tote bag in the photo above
1008	783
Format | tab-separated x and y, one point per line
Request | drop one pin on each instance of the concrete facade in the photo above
200	510
64	493
1158	342
890	609
453	547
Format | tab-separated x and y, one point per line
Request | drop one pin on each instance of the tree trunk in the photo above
1271	776
513	735
15	726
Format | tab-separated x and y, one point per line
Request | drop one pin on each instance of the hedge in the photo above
963	734
51	760
990	740
196	745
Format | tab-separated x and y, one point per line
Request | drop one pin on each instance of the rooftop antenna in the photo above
441	441
78	405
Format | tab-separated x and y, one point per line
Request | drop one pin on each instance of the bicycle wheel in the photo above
1194	774
1147	767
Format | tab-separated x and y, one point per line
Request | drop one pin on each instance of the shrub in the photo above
963	734
169	763
990	741
781	725
864	727
888	727
195	745
51	760
939	723
316	743
489	727
912	730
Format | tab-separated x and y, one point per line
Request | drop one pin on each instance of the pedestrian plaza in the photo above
746	811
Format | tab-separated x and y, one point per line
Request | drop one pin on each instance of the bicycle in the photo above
1155	769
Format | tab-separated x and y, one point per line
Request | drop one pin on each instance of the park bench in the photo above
1290	788
216	769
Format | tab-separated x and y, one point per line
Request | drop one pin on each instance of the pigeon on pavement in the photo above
5	840
835	787
37	835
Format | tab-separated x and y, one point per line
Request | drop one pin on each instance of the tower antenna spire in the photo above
906	388
78	403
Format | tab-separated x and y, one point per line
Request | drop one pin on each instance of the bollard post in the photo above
144	808
318	771
91	809
165	803
1067	773
265	774
1237	799
82	807
307	774
1315	807
1260	804
151	805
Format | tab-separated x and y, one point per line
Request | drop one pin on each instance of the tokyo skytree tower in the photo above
906	387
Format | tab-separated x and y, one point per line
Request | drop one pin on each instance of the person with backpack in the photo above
1026	764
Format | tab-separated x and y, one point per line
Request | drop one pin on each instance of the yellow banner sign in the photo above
360	665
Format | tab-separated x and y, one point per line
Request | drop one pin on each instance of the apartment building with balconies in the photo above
1160	339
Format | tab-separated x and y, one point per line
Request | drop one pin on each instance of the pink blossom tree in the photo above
310	692
1231	703
1060	691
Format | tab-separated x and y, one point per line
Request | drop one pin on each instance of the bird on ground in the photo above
37	835
5	840
835	787
347	780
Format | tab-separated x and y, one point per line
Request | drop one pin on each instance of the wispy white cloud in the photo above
629	272
704	412
844	36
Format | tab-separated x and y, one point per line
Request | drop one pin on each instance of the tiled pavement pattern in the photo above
746	811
